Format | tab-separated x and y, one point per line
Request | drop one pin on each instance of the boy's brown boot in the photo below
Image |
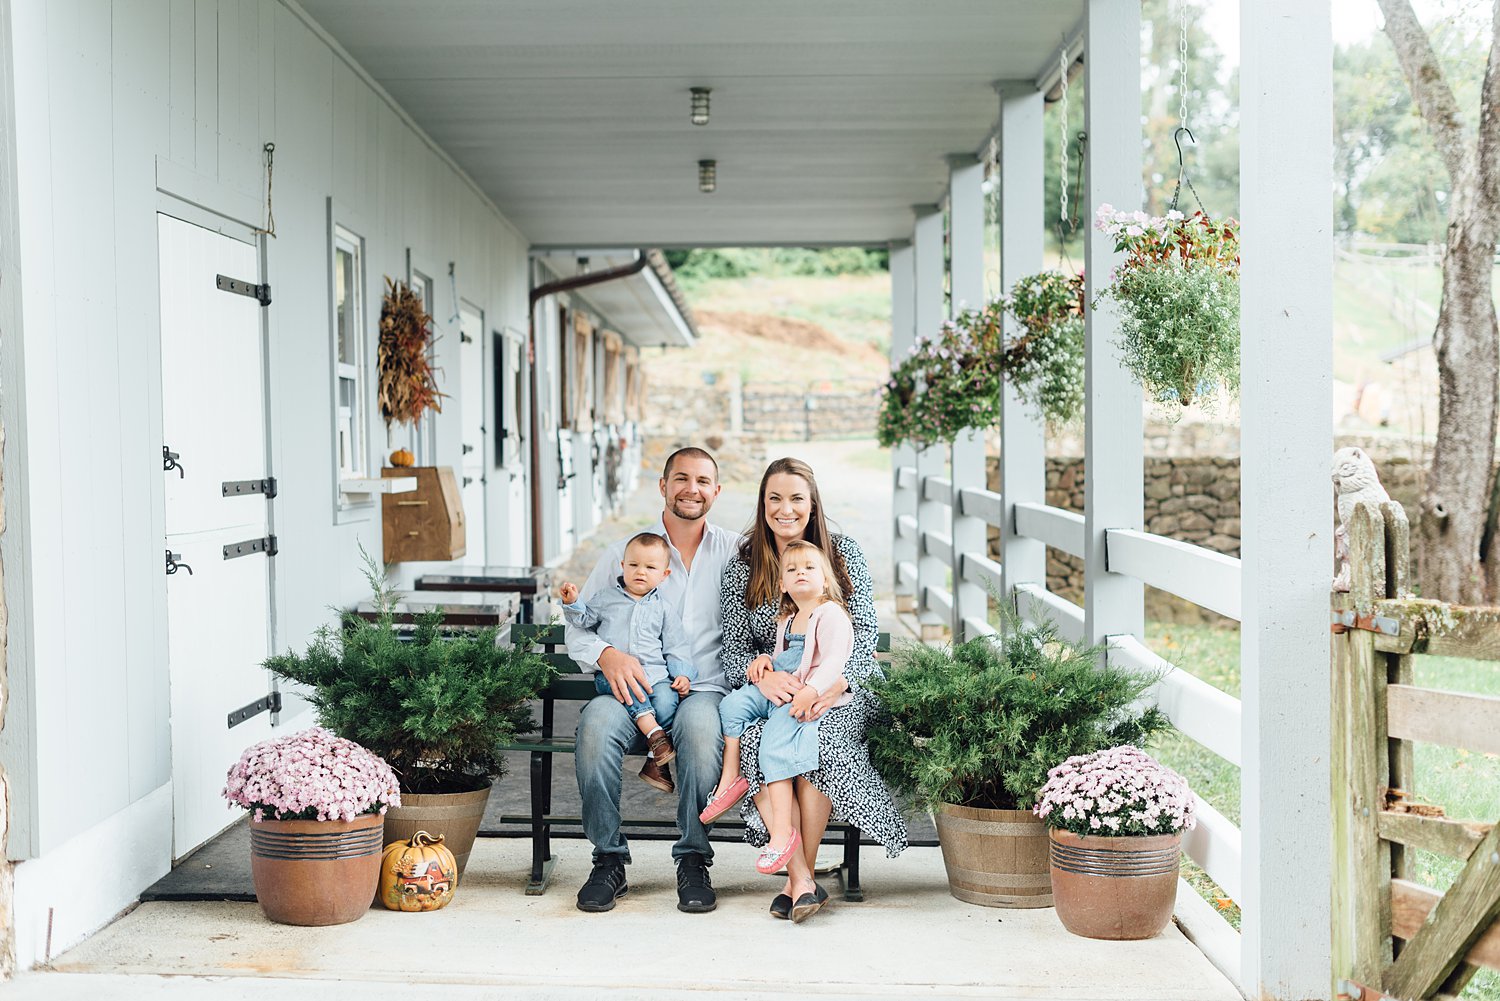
657	776
661	747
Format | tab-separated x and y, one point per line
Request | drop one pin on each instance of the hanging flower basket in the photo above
946	384
408	382
1179	296
1045	363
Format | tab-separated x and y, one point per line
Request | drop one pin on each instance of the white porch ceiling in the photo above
830	118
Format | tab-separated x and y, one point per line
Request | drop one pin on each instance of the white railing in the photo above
1055	526
1202	576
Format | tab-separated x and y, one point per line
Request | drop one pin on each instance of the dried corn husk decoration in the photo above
408	382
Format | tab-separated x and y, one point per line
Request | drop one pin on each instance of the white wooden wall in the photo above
109	105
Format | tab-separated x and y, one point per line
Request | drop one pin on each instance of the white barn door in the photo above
218	604
476	459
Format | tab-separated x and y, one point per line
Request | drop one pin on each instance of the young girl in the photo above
813	640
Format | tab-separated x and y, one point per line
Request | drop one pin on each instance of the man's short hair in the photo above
690	452
650	540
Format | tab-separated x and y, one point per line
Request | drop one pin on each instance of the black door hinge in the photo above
260	293
238	488
271	702
251	546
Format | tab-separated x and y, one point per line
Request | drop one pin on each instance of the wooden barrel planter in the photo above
315	872
453	816
1115	888
997	858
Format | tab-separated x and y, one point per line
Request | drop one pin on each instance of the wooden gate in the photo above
1393	937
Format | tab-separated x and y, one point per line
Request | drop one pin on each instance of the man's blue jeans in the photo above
606	733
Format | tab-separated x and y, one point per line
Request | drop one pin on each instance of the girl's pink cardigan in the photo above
830	640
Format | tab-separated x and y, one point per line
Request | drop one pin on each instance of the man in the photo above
689	486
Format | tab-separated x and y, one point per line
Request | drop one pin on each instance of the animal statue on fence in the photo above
1354	480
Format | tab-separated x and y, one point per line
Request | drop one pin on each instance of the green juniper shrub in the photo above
980	725
436	707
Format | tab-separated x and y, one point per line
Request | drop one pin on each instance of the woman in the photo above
845	782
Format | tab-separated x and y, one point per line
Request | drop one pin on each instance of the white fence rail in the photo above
1202	576
1056	527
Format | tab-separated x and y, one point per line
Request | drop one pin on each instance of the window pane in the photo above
344	307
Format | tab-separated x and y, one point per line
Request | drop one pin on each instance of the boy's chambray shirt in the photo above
643	627
692	594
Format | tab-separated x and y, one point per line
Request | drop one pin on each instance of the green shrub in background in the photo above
698	265
980	725
436	707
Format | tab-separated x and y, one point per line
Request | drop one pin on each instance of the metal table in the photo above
524	582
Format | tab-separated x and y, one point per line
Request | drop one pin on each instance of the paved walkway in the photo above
909	938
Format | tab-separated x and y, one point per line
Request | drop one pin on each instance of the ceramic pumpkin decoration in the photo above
403	457
417	875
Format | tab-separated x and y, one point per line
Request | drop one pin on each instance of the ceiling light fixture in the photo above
699	115
708	176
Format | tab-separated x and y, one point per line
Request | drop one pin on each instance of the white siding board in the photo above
141	85
181	57
206	86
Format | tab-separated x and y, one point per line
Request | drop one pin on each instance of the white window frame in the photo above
350	426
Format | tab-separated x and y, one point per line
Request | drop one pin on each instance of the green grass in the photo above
1466	785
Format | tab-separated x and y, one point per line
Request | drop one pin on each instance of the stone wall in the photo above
1193	499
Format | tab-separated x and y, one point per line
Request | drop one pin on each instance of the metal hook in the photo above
1178	142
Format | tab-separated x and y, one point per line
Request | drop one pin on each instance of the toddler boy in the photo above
632	617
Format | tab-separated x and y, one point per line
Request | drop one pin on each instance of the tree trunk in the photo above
1456	503
1455	506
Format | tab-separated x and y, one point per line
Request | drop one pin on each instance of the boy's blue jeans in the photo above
663	701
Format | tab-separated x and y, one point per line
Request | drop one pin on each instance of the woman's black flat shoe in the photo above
808	904
781	907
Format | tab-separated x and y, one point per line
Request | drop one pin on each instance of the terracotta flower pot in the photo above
1114	888
997	858
452	816
315	872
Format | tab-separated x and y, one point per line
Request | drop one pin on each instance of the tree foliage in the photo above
1390	181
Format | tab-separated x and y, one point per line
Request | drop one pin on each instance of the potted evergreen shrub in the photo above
971	731
1116	819
436	707
316	805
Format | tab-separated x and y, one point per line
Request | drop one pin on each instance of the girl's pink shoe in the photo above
772	858
722	799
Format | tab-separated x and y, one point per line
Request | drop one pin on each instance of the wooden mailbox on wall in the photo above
427	524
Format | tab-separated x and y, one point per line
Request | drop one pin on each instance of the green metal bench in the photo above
574	686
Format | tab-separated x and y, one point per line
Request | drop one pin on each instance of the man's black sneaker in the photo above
605	884
695	893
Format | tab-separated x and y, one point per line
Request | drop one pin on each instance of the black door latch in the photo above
169	462
173	565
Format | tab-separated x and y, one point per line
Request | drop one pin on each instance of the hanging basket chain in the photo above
1182	112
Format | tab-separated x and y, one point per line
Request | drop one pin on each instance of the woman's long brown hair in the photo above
758	549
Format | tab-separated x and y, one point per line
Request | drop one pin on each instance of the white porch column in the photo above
927	243
1113	491
1286	364
1023	463
966	223
903	498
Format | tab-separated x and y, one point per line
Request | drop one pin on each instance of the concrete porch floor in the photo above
909	938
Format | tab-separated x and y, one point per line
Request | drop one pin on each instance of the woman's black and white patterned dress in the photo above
844	774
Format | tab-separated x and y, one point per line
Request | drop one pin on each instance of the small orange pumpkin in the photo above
417	875
403	457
